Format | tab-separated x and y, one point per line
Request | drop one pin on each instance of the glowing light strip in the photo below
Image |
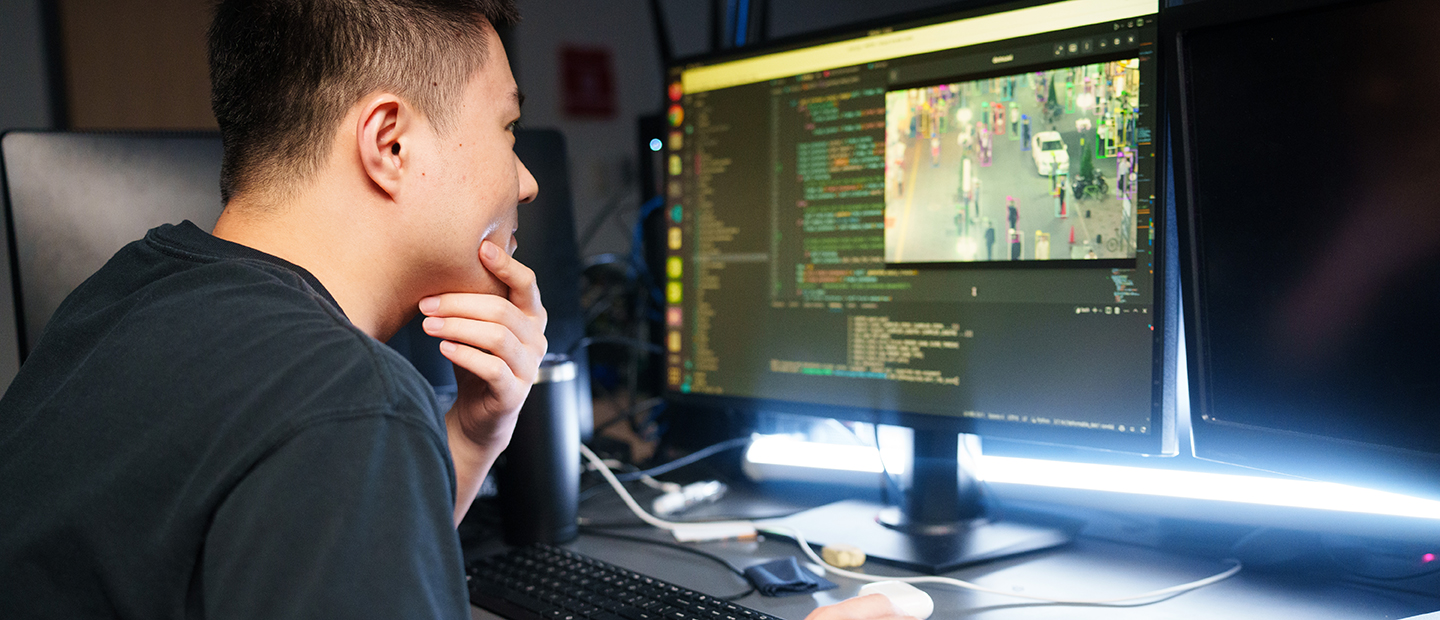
787	451
1206	486
922	40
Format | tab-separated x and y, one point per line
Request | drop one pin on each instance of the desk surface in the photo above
1088	568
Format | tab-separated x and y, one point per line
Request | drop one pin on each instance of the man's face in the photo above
469	185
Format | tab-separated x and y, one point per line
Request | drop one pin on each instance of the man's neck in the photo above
342	250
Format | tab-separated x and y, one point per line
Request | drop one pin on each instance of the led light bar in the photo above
784	450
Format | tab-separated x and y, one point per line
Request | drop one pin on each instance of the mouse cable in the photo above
787	531
592	531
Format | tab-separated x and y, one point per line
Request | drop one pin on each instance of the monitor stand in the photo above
940	525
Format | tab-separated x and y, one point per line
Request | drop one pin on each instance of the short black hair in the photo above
283	73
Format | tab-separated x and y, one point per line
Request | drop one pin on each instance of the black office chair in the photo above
74	199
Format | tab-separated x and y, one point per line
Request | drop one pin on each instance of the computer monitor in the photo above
1312	236
947	223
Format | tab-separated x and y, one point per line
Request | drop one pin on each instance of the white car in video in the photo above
1051	155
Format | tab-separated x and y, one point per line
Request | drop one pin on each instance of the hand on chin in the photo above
485	283
496	341
481	280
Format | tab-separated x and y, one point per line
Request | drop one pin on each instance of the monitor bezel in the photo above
1017	439
900	21
1268	450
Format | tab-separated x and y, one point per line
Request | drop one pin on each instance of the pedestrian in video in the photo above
984	144
989	240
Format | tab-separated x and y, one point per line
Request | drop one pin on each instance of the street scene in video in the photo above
1036	166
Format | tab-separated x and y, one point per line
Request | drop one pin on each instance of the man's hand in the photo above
496	344
871	607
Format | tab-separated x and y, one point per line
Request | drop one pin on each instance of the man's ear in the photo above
383	125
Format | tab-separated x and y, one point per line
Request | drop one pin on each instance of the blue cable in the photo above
731	444
637	250
742	24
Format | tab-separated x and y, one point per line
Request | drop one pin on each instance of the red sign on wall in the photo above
587	82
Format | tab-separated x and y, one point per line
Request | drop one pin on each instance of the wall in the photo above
24	86
136	64
603	158
792	17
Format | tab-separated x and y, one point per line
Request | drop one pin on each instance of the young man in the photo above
210	426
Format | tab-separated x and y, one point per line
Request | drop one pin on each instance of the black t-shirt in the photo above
201	433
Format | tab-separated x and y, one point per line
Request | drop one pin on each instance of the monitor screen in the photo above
1316	241
945	223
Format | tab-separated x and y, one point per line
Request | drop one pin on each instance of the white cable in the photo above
785	530
668	487
635	507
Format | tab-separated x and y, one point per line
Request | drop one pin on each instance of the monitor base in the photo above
970	542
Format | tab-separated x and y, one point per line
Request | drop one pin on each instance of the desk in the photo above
1088	568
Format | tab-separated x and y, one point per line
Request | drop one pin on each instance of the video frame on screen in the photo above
1034	166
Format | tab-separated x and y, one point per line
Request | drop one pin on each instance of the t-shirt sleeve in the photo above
347	519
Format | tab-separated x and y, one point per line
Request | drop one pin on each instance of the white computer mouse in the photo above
909	599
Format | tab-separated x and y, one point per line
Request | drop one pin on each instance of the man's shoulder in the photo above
231	330
278	338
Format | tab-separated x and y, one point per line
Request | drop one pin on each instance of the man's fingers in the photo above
479	307
489	368
493	337
521	280
869	607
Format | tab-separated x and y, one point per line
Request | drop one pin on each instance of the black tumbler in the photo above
539	484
